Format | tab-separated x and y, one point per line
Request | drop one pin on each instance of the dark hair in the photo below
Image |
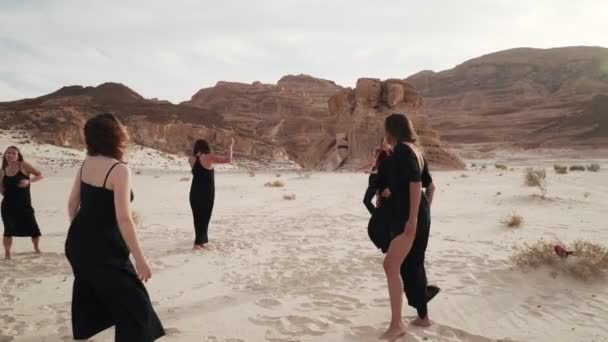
19	156
201	146
106	136
400	128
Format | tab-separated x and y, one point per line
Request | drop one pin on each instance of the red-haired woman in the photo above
108	290
17	212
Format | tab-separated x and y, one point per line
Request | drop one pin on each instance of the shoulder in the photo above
121	170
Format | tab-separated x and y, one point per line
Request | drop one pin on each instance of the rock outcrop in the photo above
509	97
58	119
360	114
320	124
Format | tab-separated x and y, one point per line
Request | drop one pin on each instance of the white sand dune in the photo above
304	270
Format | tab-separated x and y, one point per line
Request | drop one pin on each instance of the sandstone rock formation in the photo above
360	116
58	119
320	124
312	121
510	97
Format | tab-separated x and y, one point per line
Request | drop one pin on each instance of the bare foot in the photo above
37	250
422	322
198	248
7	256
393	333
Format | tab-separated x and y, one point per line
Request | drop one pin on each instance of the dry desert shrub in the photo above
595	167
464	175
561	169
500	166
251	174
589	262
577	168
275	184
537	178
184	179
289	197
513	220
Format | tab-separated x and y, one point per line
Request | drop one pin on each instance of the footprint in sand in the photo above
268	303
292	325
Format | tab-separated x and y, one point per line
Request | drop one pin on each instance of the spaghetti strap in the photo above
108	174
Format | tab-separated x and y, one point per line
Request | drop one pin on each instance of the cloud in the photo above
171	49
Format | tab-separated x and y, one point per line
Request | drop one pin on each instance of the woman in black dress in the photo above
17	212
409	224
374	175
202	189
108	290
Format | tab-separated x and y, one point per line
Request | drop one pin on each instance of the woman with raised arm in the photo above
108	290
408	226
17	212
202	189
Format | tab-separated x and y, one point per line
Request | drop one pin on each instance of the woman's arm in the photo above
121	184
430	192
74	200
225	159
30	170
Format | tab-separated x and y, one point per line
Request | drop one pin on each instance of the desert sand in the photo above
304	269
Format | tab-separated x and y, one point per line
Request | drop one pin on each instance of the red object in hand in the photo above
561	251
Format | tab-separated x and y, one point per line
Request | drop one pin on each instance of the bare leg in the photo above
422	322
392	267
36	242
7	241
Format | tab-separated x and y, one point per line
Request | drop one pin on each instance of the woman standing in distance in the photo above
108	290
202	189
409	225
17	212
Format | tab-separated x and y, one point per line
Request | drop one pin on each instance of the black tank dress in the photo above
202	197
17	212
405	169
107	291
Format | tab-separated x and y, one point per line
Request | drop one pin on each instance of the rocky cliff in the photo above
58	119
513	97
320	124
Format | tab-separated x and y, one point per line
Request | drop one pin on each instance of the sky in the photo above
171	49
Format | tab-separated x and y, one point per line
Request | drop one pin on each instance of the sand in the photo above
304	269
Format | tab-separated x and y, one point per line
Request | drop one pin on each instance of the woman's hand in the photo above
231	142
410	228
24	183
143	270
386	193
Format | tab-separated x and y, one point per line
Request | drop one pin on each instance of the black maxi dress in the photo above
388	221
202	197
107	291
17	212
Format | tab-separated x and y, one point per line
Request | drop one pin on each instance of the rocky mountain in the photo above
58	118
527	97
320	124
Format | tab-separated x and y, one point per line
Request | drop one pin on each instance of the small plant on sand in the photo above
500	166
537	178
304	174
275	184
589	260
513	220
560	169
138	172
577	168
587	194
184	179
595	167
464	175
289	197
251	174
